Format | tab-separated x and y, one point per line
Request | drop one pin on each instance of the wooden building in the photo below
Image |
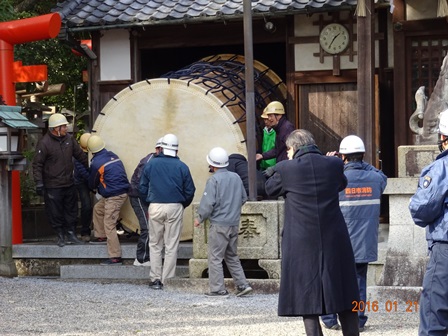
363	83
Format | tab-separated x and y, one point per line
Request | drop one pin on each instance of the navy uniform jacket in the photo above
428	206
170	181
360	204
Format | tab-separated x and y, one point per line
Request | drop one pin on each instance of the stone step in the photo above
46	250
115	272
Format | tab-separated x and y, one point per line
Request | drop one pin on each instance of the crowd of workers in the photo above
330	232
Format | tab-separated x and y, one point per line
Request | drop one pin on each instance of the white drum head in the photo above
132	122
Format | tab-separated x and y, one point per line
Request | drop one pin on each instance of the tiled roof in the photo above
103	13
11	116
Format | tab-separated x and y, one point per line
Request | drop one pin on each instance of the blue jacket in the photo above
428	206
170	180
80	173
360	204
107	174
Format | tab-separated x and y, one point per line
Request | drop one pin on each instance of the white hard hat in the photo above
218	158
352	144
95	144
159	142
443	123
56	120
170	144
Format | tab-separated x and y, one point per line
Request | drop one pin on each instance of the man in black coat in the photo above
318	268
53	175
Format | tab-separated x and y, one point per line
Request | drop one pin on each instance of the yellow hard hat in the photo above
83	141
95	144
264	115
274	107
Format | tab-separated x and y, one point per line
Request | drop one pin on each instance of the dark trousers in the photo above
86	208
349	324
61	206
141	211
361	275
433	308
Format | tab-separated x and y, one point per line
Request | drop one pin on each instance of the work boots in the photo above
72	239
61	239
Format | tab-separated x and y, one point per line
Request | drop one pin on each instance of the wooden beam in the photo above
366	73
399	13
325	76
399	79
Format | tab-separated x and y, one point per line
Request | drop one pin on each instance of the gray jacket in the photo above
223	197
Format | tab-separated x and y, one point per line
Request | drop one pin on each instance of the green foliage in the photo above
63	66
6	10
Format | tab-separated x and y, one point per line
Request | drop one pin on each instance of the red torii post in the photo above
16	32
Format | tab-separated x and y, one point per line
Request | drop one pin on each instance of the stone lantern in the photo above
12	123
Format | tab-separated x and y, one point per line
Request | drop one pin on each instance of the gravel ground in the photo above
40	306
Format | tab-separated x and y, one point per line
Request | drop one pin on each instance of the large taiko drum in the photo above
203	104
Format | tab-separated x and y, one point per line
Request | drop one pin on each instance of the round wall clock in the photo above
334	38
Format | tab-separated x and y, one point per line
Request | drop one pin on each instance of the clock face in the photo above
334	38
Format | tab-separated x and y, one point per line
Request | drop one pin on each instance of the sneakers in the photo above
145	263
99	241
112	261
243	290
220	294
333	327
156	284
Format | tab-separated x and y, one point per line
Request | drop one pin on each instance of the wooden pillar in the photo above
366	75
400	78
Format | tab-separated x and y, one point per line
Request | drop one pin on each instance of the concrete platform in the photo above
49	250
125	272
45	258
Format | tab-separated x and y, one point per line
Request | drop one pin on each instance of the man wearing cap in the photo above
276	116
221	203
53	175
172	189
429	209
108	177
140	206
268	141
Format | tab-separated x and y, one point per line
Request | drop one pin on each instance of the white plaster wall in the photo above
115	61
419	10
304	58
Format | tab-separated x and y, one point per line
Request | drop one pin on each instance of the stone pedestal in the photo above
258	238
412	159
406	248
406	255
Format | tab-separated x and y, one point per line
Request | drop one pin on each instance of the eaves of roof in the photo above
89	15
11	116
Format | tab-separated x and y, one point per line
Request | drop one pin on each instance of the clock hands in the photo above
334	38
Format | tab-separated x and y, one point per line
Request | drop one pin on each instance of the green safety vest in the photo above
267	144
